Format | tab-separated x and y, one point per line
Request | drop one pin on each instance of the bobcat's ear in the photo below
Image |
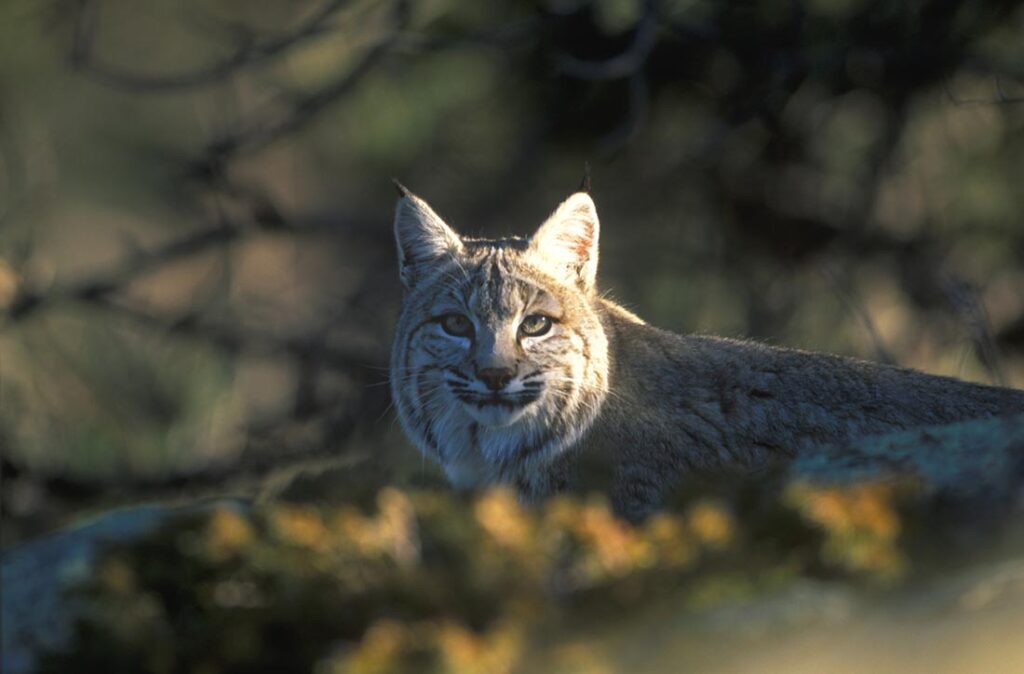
567	241
422	236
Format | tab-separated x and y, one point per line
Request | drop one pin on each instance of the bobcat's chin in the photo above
497	411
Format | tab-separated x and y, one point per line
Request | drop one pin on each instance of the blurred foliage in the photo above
163	399
197	288
196	272
427	581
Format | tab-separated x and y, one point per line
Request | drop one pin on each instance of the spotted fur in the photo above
601	386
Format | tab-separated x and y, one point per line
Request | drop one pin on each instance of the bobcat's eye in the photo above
535	325
457	325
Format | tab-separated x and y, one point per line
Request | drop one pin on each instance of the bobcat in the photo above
509	367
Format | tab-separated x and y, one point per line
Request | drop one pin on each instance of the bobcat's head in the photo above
499	361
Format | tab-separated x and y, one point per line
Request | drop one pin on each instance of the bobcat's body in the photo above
508	367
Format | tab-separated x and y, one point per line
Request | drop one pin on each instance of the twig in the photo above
501	37
965	304
28	302
639	106
246	341
855	307
1000	99
260	133
623	65
249	53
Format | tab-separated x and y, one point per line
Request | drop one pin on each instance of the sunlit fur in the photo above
560	377
603	389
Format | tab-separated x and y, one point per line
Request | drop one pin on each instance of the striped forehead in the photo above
496	291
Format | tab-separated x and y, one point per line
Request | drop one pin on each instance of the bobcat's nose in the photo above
495	378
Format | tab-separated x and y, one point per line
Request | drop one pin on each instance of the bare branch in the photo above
857	308
964	301
999	99
273	125
623	65
236	341
250	52
639	106
101	285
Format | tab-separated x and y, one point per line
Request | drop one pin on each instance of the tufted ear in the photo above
422	236
567	241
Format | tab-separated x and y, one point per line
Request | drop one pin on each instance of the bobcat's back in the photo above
684	402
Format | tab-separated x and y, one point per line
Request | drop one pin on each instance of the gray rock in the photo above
35	614
971	459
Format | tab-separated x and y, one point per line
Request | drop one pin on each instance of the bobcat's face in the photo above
493	343
499	359
502	344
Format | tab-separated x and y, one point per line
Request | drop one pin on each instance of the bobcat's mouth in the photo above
509	401
497	409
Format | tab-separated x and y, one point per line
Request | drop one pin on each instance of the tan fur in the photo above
605	389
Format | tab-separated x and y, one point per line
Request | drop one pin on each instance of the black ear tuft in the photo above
403	191
585	182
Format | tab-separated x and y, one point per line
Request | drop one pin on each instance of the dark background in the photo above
197	275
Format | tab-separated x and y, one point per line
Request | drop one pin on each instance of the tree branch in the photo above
623	65
250	52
